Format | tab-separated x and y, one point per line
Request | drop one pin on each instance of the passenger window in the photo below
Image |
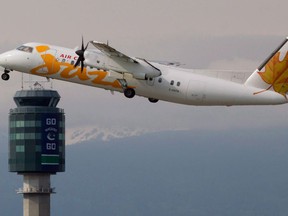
160	80
72	62
172	82
178	83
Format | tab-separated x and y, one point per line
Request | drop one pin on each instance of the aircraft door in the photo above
196	91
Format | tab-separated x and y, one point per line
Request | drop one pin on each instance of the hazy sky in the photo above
208	34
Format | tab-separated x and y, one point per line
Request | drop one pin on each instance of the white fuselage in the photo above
184	86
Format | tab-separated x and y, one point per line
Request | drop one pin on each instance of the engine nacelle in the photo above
95	59
141	76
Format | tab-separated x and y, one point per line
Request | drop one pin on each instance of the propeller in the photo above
80	54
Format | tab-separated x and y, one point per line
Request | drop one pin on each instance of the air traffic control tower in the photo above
37	146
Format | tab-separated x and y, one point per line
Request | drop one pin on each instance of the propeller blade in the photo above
80	54
86	46
77	62
82	44
82	66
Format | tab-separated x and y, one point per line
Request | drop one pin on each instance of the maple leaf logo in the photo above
276	74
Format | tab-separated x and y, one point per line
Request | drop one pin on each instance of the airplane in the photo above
105	67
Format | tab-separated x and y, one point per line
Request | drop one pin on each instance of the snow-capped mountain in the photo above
78	135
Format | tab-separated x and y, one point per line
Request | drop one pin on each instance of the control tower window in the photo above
25	49
34	102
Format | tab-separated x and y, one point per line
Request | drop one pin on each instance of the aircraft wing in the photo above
110	51
168	63
119	62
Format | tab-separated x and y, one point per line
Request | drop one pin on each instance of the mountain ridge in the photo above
83	134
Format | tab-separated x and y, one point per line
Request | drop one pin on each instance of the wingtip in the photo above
97	42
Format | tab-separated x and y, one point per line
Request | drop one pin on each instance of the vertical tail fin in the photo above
272	74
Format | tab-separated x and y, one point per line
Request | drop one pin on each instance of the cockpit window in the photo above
25	49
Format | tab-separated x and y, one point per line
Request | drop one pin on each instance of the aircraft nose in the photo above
10	60
4	59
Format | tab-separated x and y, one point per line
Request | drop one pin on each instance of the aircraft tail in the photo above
272	74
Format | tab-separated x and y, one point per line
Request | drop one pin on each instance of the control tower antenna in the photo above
22	81
29	82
